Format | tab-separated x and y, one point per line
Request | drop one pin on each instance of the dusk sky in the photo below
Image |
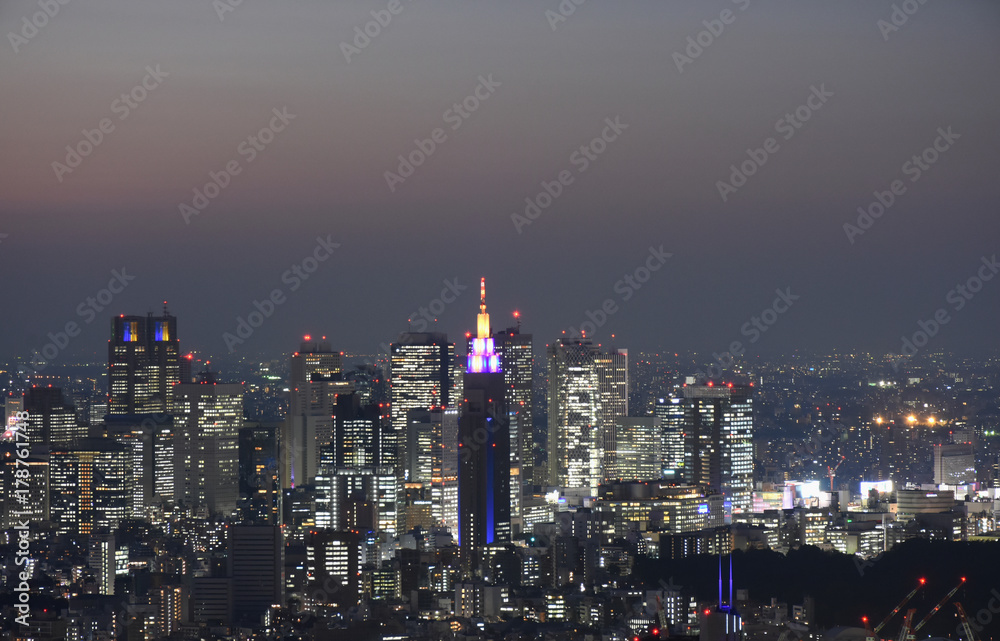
887	95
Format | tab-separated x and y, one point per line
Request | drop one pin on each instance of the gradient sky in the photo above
655	185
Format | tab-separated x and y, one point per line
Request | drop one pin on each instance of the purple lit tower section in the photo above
484	447
482	357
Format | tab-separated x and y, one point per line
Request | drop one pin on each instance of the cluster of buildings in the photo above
414	500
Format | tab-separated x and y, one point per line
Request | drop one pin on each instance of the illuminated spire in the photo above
482	357
483	320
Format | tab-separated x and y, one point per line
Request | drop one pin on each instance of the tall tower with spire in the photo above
484	446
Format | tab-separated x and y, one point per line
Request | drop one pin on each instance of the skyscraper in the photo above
718	449
575	442
420	377
256	564
670	411
144	363
315	382
260	480
517	362
484	445
612	380
90	485
208	417
636	453
51	418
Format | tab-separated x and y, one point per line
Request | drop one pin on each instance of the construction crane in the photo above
899	607
659	613
965	623
832	471
940	605
905	632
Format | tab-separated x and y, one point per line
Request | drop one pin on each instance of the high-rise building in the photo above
151	441
432	462
316	380
27	498
359	431
612	380
256	565
517	364
260	479
51	418
333	563
484	446
359	499
575	442
718	452
90	485
144	363
208	417
954	464
420	377
636	451
670	411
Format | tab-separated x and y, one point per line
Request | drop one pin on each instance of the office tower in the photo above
333	564
168	601
636	453
432	462
420	377
359	432
954	464
208	417
575	442
718	420
51	418
359	499
260	480
612	380
256	565
316	379
150	439
484	446
144	363
670	411
28	499
101	559
90	485
12	405
517	362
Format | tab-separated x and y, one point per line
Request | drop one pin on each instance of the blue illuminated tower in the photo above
484	446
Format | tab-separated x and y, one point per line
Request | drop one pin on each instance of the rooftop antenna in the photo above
165	312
